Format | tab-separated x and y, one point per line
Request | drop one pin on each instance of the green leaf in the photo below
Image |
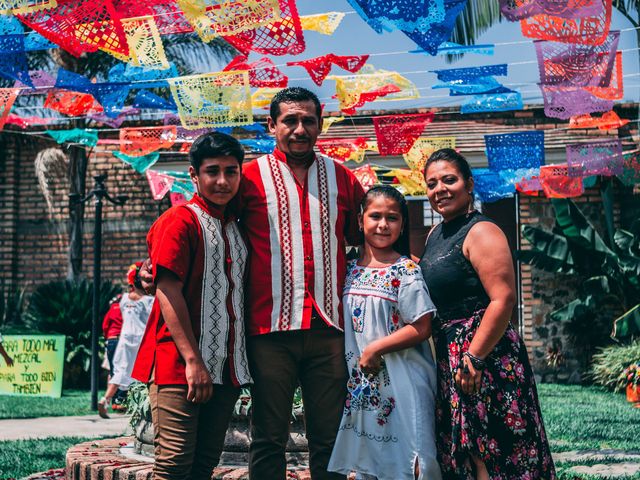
628	324
476	18
573	309
550	253
597	286
628	242
624	240
575	226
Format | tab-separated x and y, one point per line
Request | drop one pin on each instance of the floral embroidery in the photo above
357	315
384	281
364	394
394	321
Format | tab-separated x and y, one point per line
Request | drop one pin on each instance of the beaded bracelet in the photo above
478	363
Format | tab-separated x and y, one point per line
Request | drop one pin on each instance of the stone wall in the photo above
544	292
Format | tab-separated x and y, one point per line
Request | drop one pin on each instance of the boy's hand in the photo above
146	277
199	382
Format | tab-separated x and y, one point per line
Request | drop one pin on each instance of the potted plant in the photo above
632	374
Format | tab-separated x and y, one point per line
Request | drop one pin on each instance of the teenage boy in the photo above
193	351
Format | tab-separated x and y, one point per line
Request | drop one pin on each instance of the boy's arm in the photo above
176	315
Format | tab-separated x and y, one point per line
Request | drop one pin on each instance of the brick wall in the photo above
544	292
34	240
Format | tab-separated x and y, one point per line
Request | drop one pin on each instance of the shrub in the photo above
609	365
65	307
12	307
137	403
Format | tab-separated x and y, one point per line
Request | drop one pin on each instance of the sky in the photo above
389	51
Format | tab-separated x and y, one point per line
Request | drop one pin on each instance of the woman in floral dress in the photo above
488	421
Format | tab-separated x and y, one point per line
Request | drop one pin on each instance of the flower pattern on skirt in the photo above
501	424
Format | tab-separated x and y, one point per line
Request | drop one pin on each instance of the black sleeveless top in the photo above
453	284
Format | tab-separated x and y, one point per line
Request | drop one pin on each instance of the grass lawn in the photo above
23	457
72	402
588	418
575	418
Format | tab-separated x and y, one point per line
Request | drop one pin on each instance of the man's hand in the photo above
199	382
146	277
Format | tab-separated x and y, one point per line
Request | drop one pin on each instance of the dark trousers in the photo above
189	437
111	344
279	362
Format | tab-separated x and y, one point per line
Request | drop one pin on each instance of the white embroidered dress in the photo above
135	314
388	423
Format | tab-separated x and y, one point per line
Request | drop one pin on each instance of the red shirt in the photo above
297	232
112	322
206	252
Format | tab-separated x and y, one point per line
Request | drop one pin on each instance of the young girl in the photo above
135	307
387	428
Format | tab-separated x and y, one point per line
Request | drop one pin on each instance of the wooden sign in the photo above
38	365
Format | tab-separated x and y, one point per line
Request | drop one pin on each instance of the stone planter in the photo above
236	444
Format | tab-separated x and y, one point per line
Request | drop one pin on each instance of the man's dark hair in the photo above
214	144
293	94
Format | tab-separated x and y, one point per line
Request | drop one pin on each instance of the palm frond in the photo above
191	55
628	8
477	17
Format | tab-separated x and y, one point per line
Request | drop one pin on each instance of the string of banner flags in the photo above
579	64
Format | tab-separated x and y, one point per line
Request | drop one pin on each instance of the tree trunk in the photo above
78	177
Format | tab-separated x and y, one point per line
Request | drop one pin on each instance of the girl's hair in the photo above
402	244
451	156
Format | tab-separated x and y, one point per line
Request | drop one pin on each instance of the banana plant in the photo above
611	271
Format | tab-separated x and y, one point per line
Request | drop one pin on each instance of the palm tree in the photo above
480	15
187	52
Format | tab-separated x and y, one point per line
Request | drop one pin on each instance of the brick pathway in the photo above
111	459
103	460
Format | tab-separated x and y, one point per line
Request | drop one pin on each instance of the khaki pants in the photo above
279	361
188	436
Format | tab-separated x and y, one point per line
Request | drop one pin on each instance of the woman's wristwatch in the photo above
478	363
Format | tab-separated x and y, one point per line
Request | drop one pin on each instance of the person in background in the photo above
135	307
8	360
488	420
111	328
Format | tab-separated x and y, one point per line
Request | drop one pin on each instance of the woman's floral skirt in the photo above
501	424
